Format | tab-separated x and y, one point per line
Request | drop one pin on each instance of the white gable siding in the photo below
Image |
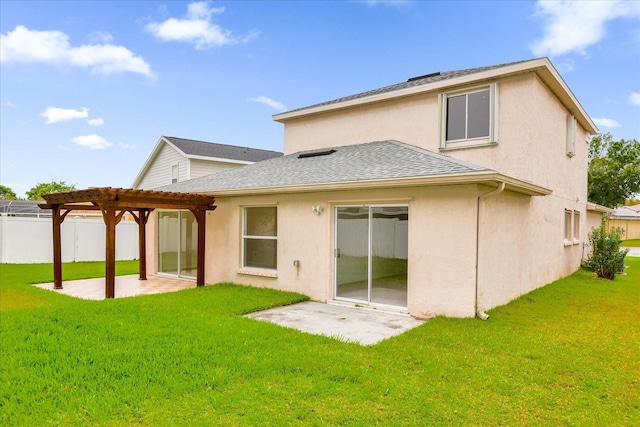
159	173
203	167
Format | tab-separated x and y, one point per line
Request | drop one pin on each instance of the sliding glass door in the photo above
177	243
371	248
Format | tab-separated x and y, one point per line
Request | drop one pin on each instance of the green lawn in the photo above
631	243
566	354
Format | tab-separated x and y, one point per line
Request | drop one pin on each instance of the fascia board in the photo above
594	207
489	178
542	66
218	159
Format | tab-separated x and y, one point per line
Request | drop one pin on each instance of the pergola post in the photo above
57	246
201	218
141	220
111	219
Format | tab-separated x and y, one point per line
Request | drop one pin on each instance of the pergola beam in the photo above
113	203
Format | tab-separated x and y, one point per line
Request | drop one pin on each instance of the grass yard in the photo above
566	354
631	243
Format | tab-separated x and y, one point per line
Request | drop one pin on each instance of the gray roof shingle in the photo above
412	82
378	160
223	151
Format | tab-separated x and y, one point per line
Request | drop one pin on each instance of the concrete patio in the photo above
125	286
363	326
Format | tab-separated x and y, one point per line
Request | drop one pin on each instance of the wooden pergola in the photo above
113	203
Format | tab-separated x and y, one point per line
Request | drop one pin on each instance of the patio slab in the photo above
125	286
352	324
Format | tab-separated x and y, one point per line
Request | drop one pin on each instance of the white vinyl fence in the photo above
25	240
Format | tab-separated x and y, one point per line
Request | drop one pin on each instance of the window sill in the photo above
452	147
576	241
258	272
568	243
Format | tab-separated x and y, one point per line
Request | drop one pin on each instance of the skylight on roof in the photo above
315	153
426	76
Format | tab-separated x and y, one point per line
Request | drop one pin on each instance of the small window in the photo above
568	222
468	117
174	174
571	135
576	227
260	237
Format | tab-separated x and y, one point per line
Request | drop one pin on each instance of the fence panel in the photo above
25	240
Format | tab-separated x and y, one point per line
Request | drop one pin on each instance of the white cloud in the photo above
127	146
196	28
606	123
572	26
634	98
101	37
52	47
96	122
55	114
270	102
9	104
95	142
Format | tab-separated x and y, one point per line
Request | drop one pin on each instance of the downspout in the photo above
481	314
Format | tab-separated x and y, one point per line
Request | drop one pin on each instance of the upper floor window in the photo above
174	174
260	237
468	117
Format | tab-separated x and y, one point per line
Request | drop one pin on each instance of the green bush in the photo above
606	258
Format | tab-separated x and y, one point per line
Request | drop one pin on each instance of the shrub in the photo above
606	258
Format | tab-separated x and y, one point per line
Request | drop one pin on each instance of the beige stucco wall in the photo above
522	238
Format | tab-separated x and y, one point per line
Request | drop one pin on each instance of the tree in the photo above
50	187
614	170
6	193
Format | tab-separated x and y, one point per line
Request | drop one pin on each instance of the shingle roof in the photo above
371	161
223	151
413	82
626	212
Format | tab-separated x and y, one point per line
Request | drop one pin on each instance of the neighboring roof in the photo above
374	164
440	80
203	150
625	212
193	148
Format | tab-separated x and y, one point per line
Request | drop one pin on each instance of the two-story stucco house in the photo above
179	159
447	194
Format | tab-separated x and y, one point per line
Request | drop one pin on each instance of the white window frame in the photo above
491	139
568	227
576	227
175	177
244	268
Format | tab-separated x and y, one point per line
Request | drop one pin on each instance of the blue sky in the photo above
87	88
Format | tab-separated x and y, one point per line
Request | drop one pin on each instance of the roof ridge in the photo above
218	143
413	82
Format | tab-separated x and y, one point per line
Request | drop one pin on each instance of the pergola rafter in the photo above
113	204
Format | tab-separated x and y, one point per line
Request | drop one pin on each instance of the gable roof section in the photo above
439	81
372	165
202	150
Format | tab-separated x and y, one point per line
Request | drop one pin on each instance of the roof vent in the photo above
316	154
426	76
